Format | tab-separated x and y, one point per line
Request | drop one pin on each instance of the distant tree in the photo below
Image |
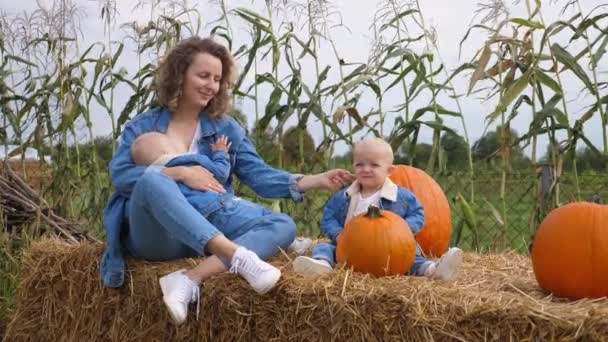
266	146
291	147
586	159
342	161
103	148
422	153
456	151
489	149
546	158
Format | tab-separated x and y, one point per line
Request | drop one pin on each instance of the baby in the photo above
373	163
155	148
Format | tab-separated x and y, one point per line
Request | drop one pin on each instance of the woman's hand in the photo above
195	177
334	180
331	180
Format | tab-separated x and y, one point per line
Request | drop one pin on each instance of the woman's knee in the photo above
285	229
150	183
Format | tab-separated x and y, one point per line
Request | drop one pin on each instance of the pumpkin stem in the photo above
373	212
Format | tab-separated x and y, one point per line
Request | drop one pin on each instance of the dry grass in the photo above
60	297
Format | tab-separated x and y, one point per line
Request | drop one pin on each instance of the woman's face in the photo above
202	80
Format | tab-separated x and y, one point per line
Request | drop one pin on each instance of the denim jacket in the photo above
338	210
245	163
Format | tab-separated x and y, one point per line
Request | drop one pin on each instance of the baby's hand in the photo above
221	144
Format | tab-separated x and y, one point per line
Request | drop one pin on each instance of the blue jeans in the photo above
163	225
327	252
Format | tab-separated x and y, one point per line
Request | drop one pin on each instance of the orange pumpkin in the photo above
435	236
570	251
378	242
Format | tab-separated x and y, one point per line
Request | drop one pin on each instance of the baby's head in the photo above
372	162
148	147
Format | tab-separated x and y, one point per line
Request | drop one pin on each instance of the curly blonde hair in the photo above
172	70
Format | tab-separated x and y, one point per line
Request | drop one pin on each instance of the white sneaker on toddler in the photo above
261	275
179	291
311	267
448	266
300	245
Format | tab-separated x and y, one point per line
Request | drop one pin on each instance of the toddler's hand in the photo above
221	144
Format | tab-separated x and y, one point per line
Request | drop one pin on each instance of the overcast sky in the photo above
450	18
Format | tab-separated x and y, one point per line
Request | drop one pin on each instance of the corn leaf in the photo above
527	23
568	60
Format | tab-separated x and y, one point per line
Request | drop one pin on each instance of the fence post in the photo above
544	195
547	180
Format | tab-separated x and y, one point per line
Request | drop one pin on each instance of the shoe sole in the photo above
448	271
172	314
309	268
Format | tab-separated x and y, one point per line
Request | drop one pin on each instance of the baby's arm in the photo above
332	222
221	158
221	144
414	215
218	171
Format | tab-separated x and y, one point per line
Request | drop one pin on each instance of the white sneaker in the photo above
300	245
179	291
311	267
261	275
448	267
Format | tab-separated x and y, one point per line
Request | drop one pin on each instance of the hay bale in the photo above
33	171
61	297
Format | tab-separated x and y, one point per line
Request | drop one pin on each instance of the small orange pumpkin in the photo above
570	251
435	236
379	242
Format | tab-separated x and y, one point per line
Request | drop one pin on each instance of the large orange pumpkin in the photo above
378	242
570	251
435	236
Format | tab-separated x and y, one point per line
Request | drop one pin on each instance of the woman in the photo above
148	216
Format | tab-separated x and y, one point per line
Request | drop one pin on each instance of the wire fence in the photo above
510	221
